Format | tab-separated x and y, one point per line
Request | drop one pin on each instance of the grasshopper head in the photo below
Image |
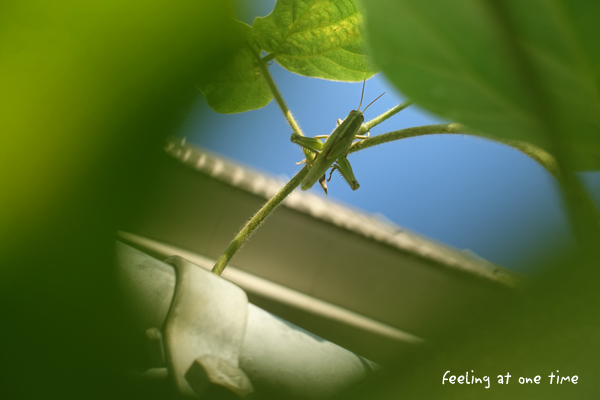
355	114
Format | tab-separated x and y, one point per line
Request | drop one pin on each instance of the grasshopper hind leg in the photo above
345	169
311	147
312	144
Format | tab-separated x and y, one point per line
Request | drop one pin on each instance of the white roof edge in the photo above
375	227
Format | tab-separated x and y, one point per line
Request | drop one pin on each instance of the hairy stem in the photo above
406	133
278	97
256	220
386	115
268	57
537	154
262	63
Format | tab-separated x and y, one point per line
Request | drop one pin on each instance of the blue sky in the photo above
467	192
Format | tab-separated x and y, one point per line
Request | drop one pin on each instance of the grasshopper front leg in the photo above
334	150
339	122
363	137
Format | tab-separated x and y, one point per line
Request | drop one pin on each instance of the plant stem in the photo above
262	63
278	97
537	154
386	115
256	220
406	133
268	57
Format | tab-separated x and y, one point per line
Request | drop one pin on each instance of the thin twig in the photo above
256	220
538	154
268	57
367	126
406	133
278	97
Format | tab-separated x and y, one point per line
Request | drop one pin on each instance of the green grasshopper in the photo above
332	154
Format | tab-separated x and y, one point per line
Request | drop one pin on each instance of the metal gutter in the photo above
256	285
202	331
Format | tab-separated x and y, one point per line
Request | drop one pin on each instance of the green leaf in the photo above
240	86
317	38
525	70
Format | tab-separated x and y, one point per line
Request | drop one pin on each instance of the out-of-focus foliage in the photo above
550	326
515	70
457	59
239	87
72	74
317	38
90	90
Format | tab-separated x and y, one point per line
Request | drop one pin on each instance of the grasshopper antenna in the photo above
362	94
363	111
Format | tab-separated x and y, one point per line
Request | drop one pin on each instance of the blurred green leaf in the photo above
90	91
459	60
238	87
317	38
